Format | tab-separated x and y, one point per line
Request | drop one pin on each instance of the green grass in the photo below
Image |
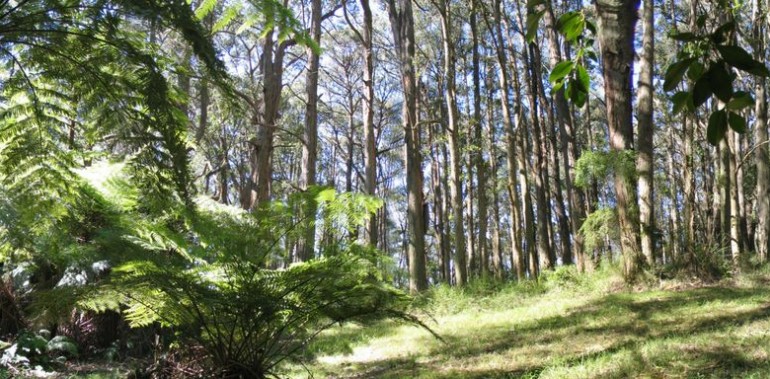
568	327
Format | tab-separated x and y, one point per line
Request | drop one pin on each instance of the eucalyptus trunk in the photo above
453	134
402	25
617	21
306	245
645	132
762	153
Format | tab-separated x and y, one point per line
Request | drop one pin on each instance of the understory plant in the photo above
209	274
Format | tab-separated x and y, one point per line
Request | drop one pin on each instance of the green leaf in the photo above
583	78
720	81
737	123
701	91
565	19
63	344
701	20
533	19
680	100
720	34
571	25
675	73
559	84
758	69
576	94
683	37
740	100
695	71
228	16
561	70
737	57
591	27
205	7
717	127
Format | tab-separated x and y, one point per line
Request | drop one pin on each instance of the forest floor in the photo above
567	328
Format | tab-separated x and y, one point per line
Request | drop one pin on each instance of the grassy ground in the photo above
570	327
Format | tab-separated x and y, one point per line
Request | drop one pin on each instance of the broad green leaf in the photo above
717	127
590	26
737	123
575	29
740	100
720	34
695	71
737	57
583	78
62	344
559	84
675	73
680	100
571	24
758	69
720	81
576	94
533	19
683	37
701	91
565	19
701	20
561	70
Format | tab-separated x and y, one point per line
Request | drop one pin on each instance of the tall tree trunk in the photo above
688	186
675	229
540	168
510	132
646	129
203	119
402	24
455	183
617	21
306	246
523	151
497	255
439	229
762	153
478	156
569	146
736	250
370	151
265	118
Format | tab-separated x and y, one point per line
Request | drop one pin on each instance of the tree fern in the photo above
73	61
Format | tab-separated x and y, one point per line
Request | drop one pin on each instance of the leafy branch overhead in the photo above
708	61
570	75
267	14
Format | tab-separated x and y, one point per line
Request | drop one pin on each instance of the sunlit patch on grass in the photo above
710	332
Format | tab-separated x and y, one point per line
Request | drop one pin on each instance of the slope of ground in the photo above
569	328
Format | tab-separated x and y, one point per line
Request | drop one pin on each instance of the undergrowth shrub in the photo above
213	275
37	349
707	263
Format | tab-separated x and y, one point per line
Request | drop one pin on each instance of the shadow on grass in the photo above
340	341
616	327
